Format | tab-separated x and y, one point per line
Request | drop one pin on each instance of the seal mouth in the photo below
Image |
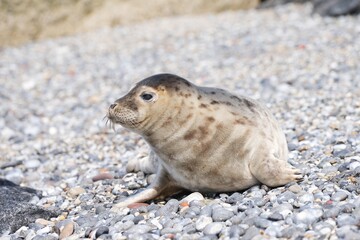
125	118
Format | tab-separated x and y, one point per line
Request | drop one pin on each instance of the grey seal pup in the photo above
201	139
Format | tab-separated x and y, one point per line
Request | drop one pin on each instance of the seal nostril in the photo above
112	106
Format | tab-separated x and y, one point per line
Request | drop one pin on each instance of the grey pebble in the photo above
308	216
100	209
261	222
332	212
139	229
206	211
213	228
138	218
276	216
347	219
251	233
348	232
292	232
32	163
101	230
221	214
171	206
286	196
339	196
234	198
202	222
236	231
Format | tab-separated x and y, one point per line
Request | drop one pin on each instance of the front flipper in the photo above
147	164
162	186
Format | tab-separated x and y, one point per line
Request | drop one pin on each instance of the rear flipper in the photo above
162	186
275	172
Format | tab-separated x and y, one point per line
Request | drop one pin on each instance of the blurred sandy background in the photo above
28	20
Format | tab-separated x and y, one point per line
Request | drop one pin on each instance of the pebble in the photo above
101	231
276	216
339	196
250	233
67	230
32	163
139	229
213	228
202	222
308	216
221	214
236	231
76	191
347	219
261	223
295	188
102	176
195	196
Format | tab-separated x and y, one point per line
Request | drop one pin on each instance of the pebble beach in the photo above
54	96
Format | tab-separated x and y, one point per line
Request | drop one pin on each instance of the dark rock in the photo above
332	8
15	210
335	8
101	231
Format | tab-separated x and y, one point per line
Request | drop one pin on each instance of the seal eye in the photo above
147	96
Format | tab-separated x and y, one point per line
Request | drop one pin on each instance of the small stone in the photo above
192	197
295	188
286	196
291	232
213	228
236	231
67	230
172	206
138	218
250	233
261	222
101	230
332	212
102	176
206	211
202	222
276	216
306	198
44	230
221	214
354	165
339	196
234	198
44	222
32	163
347	219
190	229
76	191
308	216
348	232
140	229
